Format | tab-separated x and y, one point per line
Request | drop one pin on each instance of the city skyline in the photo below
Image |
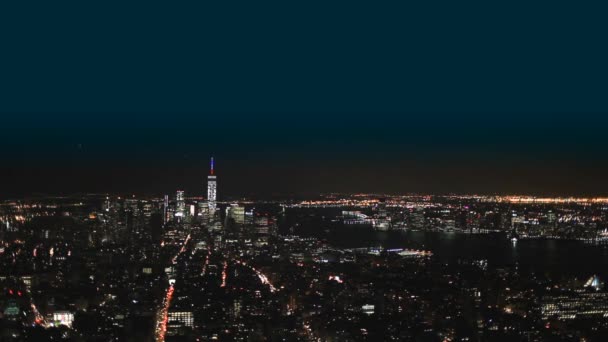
176	269
302	171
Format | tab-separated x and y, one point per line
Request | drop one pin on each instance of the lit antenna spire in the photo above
212	166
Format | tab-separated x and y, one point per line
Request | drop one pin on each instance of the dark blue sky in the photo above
304	97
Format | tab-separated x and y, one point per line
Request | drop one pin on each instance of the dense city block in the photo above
334	268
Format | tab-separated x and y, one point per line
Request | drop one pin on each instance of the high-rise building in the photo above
236	213
588	302
212	190
180	206
202	211
382	221
261	225
165	209
417	219
63	318
177	320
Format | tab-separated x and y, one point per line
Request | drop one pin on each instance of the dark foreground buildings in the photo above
195	268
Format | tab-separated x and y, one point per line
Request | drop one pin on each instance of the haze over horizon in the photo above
144	154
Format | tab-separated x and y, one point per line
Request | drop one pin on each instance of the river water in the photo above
561	258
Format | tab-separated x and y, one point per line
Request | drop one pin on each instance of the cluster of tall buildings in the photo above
203	210
234	219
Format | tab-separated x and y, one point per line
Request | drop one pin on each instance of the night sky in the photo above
304	97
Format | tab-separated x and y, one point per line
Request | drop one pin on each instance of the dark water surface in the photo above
556	257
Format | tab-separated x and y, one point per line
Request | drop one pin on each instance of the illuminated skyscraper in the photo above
211	189
180	206
165	209
236	213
